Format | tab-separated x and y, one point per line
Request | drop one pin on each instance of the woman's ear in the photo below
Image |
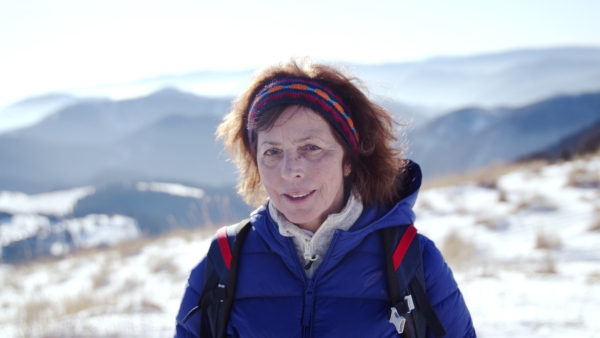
347	169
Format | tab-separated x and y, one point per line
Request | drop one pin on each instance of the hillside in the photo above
523	246
165	136
580	143
470	139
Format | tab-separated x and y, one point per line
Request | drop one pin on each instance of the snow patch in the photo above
171	189
57	203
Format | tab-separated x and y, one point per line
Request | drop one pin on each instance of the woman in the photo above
321	161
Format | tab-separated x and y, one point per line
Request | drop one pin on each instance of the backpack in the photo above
410	312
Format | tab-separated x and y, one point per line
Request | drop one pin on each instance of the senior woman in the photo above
321	161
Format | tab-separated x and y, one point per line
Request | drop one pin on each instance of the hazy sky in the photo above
50	45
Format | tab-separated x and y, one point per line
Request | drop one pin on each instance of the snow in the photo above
86	232
171	189
523	251
535	270
21	227
58	203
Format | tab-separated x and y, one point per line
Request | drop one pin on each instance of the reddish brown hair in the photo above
374	171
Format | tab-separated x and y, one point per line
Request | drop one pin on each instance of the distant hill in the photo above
434	86
32	110
168	135
508	79
474	138
53	224
580	143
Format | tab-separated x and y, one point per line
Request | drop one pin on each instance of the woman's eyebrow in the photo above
300	140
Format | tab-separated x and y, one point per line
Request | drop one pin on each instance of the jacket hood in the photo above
409	183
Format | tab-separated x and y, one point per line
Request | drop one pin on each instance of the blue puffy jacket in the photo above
348	295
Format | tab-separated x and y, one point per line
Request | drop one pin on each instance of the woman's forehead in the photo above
297	124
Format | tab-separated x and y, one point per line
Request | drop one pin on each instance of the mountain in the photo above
434	86
473	138
32	110
105	121
164	136
580	143
508	79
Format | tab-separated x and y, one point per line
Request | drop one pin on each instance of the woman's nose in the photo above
293	167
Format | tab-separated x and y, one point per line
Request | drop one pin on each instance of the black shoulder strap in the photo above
220	278
411	310
242	232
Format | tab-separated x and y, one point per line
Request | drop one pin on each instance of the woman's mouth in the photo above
299	196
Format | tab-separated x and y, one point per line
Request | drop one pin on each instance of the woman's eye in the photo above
312	147
271	152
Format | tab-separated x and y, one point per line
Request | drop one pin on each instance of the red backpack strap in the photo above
411	312
219	279
403	245
223	241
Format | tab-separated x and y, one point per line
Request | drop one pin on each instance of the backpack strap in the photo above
411	312
220	278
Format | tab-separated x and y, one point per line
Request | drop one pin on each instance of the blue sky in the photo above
49	45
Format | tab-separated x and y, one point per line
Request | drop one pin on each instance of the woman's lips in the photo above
299	196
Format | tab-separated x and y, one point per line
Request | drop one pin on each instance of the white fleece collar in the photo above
313	246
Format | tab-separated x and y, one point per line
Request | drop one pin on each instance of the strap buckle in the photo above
398	320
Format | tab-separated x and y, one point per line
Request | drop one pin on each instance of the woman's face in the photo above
301	167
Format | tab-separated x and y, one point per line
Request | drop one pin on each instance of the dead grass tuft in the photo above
492	223
543	240
595	226
485	177
548	264
34	315
458	252
79	303
593	278
537	203
102	277
164	264
502	196
582	177
130	285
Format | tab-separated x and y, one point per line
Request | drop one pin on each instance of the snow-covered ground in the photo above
525	249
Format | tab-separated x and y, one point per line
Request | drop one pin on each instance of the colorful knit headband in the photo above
309	93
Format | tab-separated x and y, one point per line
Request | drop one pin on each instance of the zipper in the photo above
309	293
309	297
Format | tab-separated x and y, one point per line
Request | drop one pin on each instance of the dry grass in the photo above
548	264
502	196
593	278
581	177
102	277
595	226
145	306
81	302
492	223
130	285
458	252
34	316
163	264
537	203
485	177
544	240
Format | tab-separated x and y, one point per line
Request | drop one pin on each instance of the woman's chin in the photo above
305	221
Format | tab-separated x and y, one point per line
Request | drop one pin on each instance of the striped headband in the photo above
303	91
